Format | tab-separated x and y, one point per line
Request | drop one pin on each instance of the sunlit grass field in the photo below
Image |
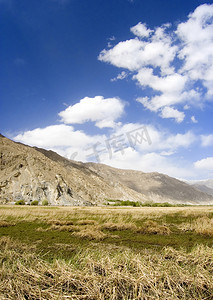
106	252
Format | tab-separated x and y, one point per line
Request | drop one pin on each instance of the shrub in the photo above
127	203
35	202
20	202
45	202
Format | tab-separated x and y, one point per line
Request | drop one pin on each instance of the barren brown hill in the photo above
155	186
36	174
29	174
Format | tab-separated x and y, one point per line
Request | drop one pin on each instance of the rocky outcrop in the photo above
26	174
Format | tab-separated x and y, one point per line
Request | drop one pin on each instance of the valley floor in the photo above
106	252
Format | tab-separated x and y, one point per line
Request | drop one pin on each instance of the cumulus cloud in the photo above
170	112
104	112
141	30
54	136
134	54
170	84
63	139
205	164
176	64
197	38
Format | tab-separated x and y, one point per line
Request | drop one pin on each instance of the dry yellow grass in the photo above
6	224
69	228
104	214
60	222
106	273
91	234
87	222
202	225
153	227
100	270
119	226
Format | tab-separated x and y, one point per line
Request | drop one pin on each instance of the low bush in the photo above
20	202
35	202
45	202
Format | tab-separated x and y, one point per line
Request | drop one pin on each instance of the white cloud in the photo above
193	119
171	84
197	37
120	76
152	57
207	140
160	140
170	112
141	30
112	38
62	139
104	112
55	136
180	140
205	164
134	54
170	99
186	107
124	54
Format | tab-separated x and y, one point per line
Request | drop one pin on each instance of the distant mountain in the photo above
203	185
154	186
37	174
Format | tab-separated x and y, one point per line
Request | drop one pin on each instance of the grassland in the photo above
106	252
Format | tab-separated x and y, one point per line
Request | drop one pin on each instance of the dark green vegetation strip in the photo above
145	204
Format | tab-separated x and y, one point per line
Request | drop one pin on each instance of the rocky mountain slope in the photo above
203	185
36	174
154	186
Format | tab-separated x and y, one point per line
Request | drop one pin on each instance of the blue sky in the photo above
126	83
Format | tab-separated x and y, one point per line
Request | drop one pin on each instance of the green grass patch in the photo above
60	242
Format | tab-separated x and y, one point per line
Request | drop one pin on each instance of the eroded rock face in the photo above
29	187
27	175
30	174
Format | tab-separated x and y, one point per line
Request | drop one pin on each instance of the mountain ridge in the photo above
32	173
203	185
